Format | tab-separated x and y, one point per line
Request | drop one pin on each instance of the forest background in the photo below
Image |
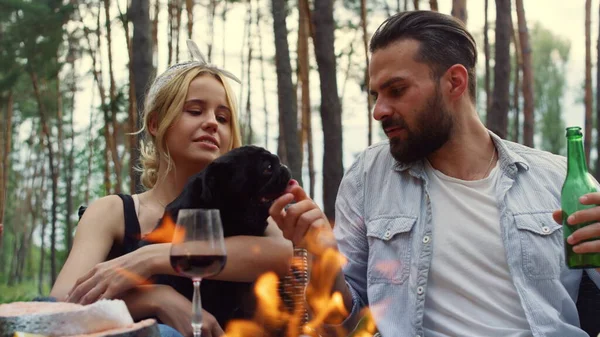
70	72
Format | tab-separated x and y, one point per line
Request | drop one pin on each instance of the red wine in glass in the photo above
198	266
198	251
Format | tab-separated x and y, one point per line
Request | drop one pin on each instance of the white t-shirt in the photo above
469	291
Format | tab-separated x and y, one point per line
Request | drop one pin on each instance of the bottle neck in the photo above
576	157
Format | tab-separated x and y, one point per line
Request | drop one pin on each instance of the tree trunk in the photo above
250	39
70	163
97	73
171	28
497	120
112	112
587	139
363	23
12	278
28	208
486	49
416	4
285	90
242	67
459	10
189	8
154	30
42	259
304	70
59	123
211	27
528	93
262	72
141	65
132	120
516	84
224	29
5	147
90	147
281	149
53	173
69	187
433	5
178	10
331	112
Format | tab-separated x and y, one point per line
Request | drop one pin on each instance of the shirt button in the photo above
420	290
387	234
426	239
546	229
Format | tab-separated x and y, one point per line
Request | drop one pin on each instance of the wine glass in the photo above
197	251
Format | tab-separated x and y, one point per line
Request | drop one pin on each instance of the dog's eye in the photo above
268	169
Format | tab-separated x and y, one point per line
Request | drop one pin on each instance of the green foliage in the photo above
550	55
550	58
25	291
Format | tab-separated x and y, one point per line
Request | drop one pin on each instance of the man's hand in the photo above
591	231
297	219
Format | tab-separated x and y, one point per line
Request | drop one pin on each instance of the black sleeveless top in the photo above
132	228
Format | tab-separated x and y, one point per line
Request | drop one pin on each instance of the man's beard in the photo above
431	131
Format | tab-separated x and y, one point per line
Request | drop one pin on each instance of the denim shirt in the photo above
383	227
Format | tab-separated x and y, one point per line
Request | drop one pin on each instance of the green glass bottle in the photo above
577	183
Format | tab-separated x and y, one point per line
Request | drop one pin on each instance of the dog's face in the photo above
242	184
247	174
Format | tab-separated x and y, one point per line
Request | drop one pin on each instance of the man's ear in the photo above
456	80
153	124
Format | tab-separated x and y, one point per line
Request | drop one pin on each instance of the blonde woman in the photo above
190	119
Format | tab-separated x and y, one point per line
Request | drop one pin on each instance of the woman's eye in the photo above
194	112
222	119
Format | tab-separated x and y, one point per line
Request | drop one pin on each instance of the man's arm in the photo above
304	224
351	238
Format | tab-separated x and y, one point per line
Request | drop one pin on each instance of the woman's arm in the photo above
247	258
94	237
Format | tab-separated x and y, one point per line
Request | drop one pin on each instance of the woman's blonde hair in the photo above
164	104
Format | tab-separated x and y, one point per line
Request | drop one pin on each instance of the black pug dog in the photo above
242	184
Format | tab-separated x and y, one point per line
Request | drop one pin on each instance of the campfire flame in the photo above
137	279
166	232
274	319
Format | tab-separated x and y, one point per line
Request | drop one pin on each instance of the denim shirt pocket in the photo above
541	239
389	249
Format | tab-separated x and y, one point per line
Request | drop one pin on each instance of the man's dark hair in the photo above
444	41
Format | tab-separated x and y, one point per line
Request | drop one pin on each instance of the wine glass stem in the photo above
197	309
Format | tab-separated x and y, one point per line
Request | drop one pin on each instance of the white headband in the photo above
198	60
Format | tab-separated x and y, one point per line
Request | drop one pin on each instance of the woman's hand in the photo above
112	278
